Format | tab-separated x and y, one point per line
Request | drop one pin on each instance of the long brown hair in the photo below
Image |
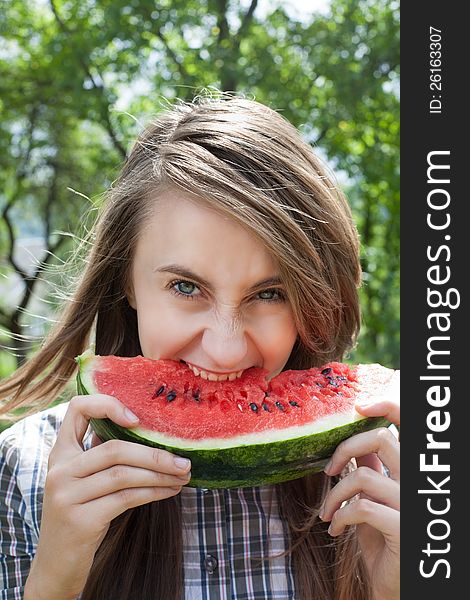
246	161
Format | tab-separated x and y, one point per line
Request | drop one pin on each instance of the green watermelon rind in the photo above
247	465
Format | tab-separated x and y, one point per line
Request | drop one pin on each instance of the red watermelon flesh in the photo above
246	432
168	398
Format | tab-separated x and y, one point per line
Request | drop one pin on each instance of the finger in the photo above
119	452
379	441
385	408
371	461
109	507
383	518
120	477
81	409
363	480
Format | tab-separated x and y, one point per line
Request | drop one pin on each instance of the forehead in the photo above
186	231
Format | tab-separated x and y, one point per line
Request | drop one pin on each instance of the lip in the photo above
214	372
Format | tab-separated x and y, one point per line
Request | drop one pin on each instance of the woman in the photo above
225	244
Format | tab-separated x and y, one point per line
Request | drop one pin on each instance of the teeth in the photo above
212	376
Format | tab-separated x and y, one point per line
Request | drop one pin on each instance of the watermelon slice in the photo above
236	433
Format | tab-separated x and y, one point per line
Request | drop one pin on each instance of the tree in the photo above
67	66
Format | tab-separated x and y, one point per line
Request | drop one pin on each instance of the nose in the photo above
224	342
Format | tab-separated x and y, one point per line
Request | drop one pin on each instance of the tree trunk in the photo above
19	344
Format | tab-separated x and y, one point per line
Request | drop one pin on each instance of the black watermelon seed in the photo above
159	391
326	371
280	405
293	403
266	394
265	407
254	407
196	395
171	396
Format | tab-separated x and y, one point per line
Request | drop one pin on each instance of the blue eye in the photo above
278	296
184	289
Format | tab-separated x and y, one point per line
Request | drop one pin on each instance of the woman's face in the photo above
207	292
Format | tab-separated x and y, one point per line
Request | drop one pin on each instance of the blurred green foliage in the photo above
78	80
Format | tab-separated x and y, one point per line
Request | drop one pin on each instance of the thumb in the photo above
383	408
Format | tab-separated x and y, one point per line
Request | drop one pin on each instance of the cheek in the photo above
163	330
274	333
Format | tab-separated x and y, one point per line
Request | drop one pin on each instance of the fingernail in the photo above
182	463
130	415
329	529
322	511
328	466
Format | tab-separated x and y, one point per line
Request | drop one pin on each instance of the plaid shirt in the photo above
225	532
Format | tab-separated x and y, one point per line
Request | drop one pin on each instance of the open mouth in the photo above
211	376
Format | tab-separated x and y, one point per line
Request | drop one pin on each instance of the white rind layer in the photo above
86	376
261	437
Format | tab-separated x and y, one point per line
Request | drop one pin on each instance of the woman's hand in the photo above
85	491
376	512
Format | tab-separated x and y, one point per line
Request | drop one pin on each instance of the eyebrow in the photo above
185	272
